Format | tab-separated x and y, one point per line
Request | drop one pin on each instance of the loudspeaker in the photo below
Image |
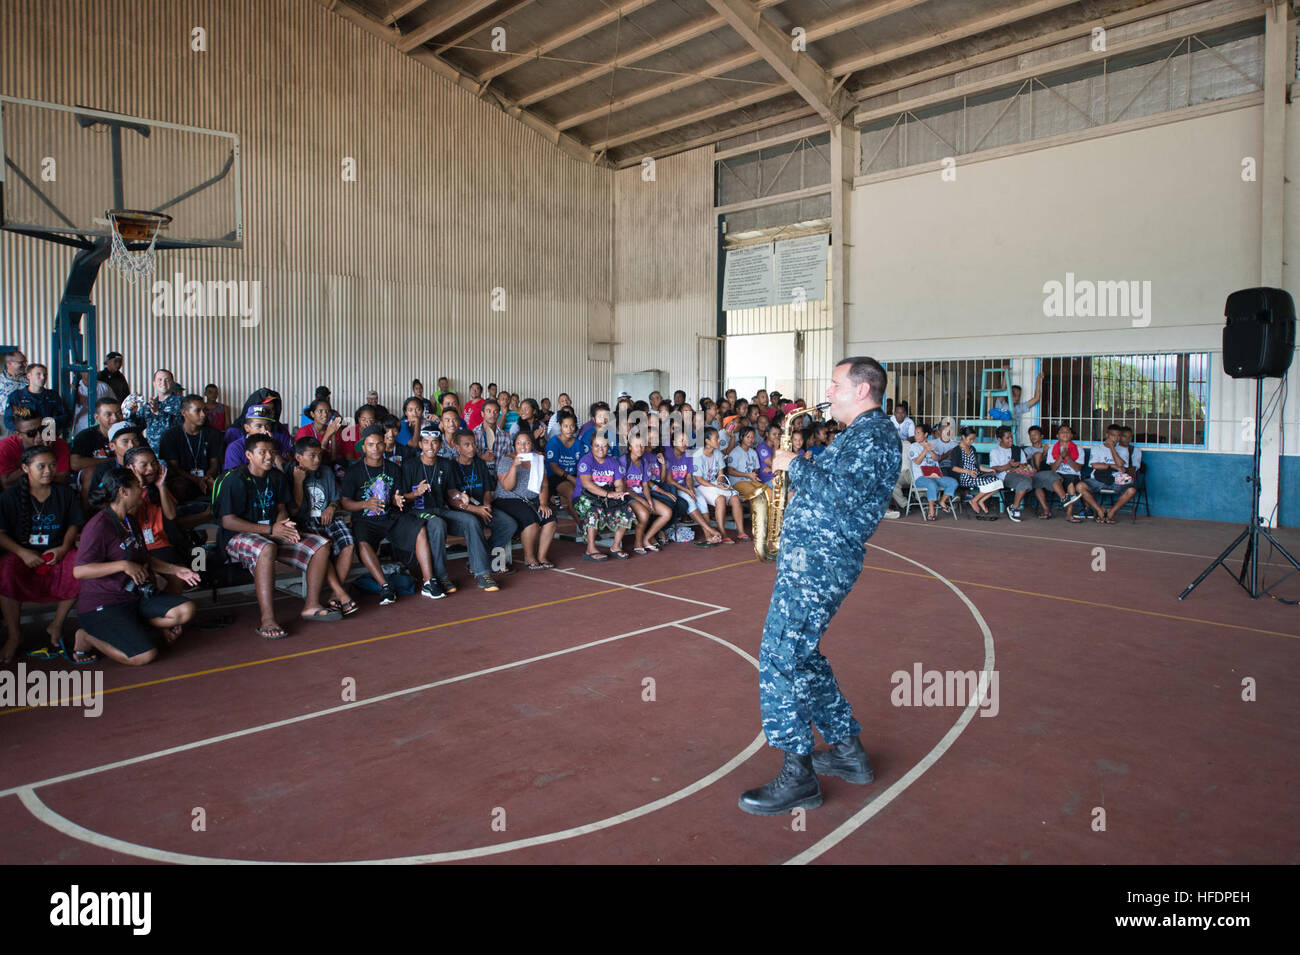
1259	337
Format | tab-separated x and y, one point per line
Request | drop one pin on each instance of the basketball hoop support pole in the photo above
74	344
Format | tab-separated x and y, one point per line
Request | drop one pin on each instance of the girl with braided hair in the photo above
39	523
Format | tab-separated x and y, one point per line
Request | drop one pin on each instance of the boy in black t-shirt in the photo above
252	503
425	479
469	498
90	446
372	492
193	452
315	508
122	437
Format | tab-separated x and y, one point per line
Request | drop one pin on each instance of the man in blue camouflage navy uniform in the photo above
835	503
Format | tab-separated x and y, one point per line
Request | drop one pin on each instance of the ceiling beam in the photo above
709	138
575	32
634	54
563	141
464	35
800	70
409	7
728	63
685	119
1042	41
886	55
1015	78
959	32
427	31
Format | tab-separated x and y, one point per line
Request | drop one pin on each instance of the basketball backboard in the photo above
64	167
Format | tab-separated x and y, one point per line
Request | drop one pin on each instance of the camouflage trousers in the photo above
795	684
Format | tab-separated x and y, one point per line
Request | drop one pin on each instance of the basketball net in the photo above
127	225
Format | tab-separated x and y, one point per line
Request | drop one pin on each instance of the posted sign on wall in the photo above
775	273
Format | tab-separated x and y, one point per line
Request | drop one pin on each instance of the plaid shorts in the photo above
244	549
336	530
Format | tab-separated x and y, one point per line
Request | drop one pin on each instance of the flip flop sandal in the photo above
652	548
743	537
272	633
79	658
726	540
1075	519
348	608
45	653
639	551
619	555
323	616
535	566
546	565
595	558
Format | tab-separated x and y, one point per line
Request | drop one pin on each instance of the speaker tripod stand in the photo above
1254	529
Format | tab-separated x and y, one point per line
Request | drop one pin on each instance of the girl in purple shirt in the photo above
679	471
600	499
640	470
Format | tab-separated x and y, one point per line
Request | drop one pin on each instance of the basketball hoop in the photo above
134	227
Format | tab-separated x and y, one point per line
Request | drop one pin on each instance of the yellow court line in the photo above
1090	603
387	636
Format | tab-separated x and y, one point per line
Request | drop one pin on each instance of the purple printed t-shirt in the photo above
679	467
636	473
604	473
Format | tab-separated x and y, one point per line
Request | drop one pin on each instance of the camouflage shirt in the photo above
839	497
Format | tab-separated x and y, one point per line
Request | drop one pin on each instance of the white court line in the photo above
1065	540
45	814
642	589
198	744
862	816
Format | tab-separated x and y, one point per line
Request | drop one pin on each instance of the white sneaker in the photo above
1014	514
892	515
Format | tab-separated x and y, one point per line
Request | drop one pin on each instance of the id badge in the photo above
39	540
148	535
197	472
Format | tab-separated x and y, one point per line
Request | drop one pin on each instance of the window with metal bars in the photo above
1165	399
938	389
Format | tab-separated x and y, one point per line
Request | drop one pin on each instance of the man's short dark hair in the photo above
1002	429
461	434
864	369
105	401
303	444
901	404
191	400
493	402
257	438
1034	427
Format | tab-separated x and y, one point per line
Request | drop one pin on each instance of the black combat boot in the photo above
847	760
795	787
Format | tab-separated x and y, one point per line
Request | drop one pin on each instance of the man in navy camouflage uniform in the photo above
835	503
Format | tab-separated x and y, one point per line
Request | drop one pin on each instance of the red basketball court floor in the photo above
516	727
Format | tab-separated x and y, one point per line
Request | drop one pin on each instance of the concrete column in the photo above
844	165
1272	167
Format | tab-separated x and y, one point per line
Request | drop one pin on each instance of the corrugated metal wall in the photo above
665	262
364	284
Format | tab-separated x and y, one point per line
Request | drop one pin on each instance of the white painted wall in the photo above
957	269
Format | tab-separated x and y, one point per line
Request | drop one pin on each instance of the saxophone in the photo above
768	503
